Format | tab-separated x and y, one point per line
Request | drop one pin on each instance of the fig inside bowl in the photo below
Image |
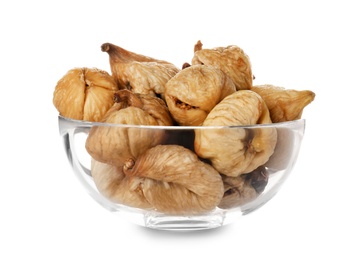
181	178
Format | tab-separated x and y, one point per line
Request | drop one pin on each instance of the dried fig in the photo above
244	188
231	60
193	92
154	106
113	144
84	94
137	72
236	150
284	104
112	183
176	181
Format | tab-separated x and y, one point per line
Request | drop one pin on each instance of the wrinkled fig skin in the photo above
244	188
284	104
137	72
84	94
114	144
176	181
194	91
154	106
117	187
235	151
231	60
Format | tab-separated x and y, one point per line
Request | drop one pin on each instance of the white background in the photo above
316	45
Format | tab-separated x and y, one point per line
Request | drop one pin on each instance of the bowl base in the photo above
181	223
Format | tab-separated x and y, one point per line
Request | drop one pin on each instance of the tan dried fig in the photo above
284	104
84	94
176	181
137	72
231	60
194	91
113	144
154	106
236	150
113	184
244	188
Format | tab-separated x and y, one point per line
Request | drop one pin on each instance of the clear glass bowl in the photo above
269	178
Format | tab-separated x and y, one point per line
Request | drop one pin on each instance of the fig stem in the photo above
128	165
198	46
105	47
118	54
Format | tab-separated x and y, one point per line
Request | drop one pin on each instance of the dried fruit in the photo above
284	104
154	106
182	170
137	72
112	183
235	151
116	143
193	92
231	60
176	181
84	94
244	188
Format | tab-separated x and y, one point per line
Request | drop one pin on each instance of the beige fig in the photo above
139	73
113	184
284	104
232	60
194	91
237	150
122	139
84	94
176	181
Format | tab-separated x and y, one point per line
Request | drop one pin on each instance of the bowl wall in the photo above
221	142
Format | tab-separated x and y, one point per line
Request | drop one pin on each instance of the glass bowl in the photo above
186	198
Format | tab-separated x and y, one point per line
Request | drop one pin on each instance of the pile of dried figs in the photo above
193	170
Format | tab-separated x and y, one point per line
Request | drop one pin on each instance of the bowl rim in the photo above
82	123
